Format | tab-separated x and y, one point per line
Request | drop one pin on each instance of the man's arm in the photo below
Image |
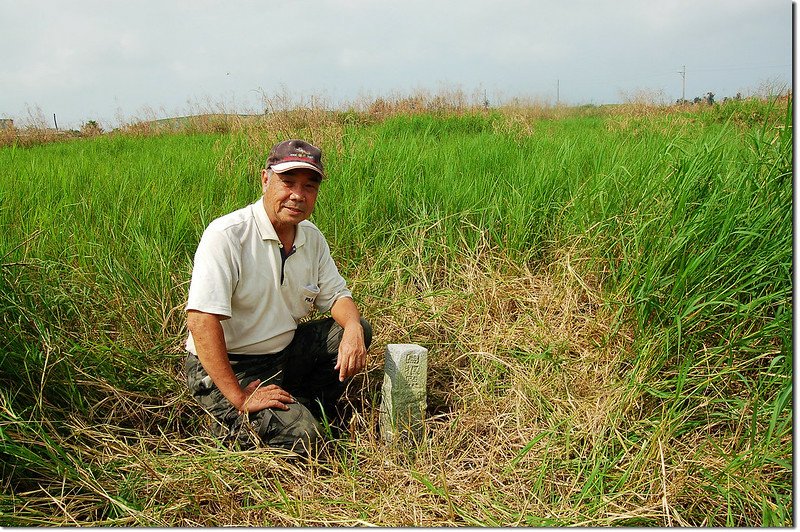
352	350
209	342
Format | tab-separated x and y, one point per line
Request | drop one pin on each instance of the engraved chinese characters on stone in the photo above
404	394
411	369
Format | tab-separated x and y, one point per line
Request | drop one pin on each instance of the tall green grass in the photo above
606	297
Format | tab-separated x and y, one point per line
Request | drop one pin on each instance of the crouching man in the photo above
257	272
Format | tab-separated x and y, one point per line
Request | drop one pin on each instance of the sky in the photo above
115	62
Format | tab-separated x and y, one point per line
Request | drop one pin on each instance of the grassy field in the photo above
605	294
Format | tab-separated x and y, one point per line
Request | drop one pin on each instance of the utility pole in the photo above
558	91
683	89
55	122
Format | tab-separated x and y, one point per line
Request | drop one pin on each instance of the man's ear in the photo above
264	179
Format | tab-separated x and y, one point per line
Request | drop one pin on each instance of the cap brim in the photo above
291	165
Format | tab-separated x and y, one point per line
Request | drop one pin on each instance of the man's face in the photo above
289	197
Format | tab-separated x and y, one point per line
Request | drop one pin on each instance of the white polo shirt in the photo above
237	274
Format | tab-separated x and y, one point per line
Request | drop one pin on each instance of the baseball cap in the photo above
291	154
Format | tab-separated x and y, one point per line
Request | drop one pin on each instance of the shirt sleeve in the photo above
215	273
332	285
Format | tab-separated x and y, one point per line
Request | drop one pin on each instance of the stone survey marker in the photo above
404	393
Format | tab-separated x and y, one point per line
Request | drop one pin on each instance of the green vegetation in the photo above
605	293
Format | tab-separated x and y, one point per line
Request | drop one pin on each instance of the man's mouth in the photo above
293	210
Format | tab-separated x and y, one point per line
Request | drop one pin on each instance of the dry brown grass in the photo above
316	119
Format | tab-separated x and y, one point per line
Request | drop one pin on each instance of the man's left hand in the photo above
352	352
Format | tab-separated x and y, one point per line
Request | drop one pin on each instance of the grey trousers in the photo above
305	369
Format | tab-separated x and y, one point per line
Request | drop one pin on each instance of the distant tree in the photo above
91	128
709	98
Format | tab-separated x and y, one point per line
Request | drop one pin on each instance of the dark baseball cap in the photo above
291	154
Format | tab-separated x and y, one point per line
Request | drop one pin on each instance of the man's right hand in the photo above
270	396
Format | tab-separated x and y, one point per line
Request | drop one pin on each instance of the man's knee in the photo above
336	331
294	429
367	332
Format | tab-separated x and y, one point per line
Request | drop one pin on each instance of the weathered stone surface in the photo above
404	393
